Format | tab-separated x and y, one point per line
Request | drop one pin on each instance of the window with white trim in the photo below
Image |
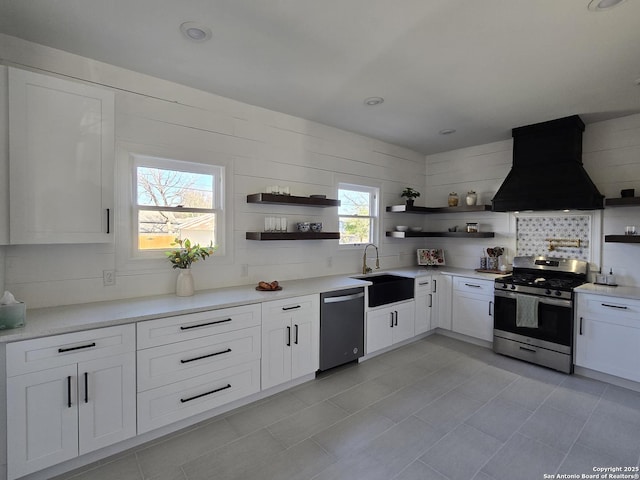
172	199
358	214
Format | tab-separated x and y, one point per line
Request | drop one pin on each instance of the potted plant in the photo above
182	258
410	194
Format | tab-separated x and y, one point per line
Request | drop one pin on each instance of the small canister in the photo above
472	227
483	263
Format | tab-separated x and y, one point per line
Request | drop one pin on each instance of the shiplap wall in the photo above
611	156
259	147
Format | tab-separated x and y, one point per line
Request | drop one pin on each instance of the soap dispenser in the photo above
611	278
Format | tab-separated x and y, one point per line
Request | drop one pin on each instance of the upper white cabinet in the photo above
61	157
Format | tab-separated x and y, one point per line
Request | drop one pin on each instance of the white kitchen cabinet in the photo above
188	364
389	325
441	290
423	297
68	395
608	335
61	157
472	311
290	339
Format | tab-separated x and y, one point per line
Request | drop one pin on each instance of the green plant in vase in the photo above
182	258
410	194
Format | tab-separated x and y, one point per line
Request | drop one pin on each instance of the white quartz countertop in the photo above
619	291
42	322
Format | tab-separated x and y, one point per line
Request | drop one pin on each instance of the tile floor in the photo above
436	409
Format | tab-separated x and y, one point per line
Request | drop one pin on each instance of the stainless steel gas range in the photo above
533	317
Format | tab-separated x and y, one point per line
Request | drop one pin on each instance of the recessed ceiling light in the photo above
371	101
601	5
447	131
195	31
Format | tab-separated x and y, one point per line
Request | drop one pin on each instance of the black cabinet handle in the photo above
490	304
69	392
86	387
290	308
435	286
205	324
70	349
396	312
205	356
472	285
528	350
296	335
580	330
188	399
430	300
391	315
288	336
108	220
614	306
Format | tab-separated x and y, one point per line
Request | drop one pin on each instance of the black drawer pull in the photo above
528	350
614	306
205	356
290	308
69	392
188	399
472	285
70	349
205	324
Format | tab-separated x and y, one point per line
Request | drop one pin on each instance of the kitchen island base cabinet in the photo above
78	405
472	310
290	339
389	325
608	335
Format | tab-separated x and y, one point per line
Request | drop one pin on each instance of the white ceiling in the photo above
481	67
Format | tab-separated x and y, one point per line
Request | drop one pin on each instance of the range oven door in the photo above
555	322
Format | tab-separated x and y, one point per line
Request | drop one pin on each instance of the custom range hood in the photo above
547	171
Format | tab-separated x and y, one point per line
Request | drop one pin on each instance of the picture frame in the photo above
430	256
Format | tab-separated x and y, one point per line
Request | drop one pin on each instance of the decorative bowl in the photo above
316	227
303	226
415	229
402	228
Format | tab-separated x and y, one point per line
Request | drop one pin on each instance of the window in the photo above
176	199
358	214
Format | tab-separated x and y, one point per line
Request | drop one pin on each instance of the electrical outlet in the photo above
244	270
108	277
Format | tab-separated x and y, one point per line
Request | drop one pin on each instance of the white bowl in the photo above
415	229
402	228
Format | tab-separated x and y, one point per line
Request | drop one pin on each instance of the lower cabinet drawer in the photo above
164	405
167	364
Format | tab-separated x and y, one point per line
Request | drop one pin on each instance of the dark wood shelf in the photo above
430	210
293	235
270	198
622	238
622	202
441	234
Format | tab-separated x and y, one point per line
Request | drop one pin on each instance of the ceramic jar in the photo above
472	198
453	199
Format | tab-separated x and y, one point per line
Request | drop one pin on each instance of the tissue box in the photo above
12	316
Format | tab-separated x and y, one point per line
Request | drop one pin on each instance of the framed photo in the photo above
430	256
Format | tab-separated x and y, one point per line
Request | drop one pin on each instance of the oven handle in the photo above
546	300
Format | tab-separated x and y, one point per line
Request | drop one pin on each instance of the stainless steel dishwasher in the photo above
341	327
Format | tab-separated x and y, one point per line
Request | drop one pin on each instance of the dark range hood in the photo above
547	171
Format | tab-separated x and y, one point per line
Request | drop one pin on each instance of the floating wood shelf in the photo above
270	198
430	210
441	234
622	202
622	238
293	235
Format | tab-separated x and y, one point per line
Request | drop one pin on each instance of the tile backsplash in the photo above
533	234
